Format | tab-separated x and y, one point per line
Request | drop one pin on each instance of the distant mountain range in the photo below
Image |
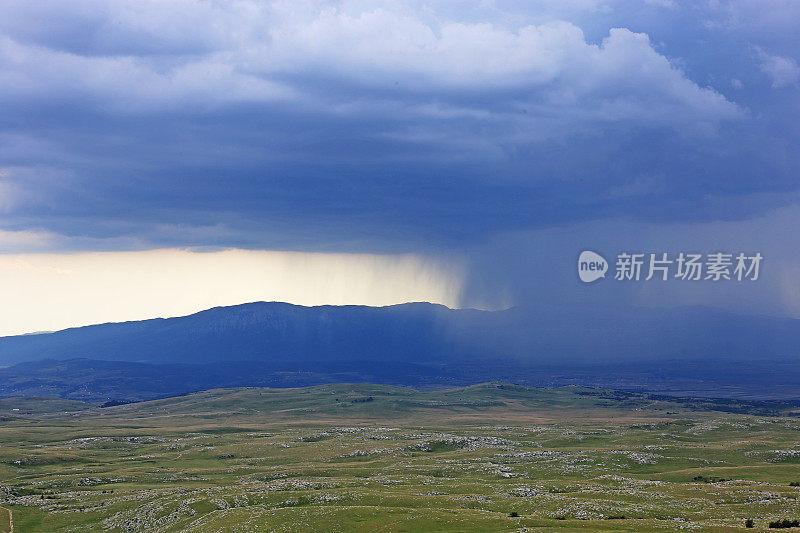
419	332
278	344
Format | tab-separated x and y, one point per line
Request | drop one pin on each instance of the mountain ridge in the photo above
419	332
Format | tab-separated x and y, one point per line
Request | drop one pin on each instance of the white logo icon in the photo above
591	266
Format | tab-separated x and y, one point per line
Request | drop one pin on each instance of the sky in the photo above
57	291
456	152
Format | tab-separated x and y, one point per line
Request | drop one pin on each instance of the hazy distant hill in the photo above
694	351
257	331
102	381
419	332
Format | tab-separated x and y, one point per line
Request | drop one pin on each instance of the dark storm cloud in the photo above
338	126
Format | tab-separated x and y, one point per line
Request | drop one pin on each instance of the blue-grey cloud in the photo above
300	125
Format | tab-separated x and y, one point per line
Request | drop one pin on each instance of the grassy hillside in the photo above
382	458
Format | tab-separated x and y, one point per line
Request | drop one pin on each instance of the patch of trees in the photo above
785	523
114	403
362	400
710	479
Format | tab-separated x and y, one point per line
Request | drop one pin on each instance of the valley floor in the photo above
377	458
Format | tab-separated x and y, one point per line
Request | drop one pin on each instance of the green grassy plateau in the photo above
378	458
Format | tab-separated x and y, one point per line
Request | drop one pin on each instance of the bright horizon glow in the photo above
49	292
